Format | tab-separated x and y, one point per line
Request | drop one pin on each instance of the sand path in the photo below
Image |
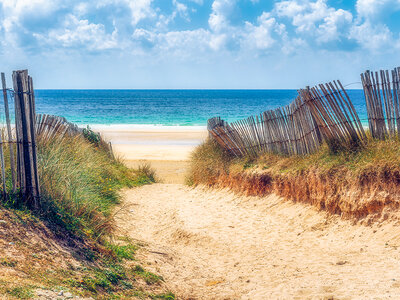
210	244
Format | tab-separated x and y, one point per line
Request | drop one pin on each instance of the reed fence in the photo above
322	113
382	95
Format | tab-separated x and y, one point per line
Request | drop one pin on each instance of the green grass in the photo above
21	292
8	262
148	277
80	184
123	251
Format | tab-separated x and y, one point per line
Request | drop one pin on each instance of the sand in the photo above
211	244
167	149
153	143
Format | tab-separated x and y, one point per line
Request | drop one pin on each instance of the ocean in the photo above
166	107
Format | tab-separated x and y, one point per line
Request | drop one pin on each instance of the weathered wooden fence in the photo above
382	95
323	113
50	127
20	139
21	145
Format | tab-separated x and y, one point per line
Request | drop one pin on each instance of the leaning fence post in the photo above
3	168
33	135
9	133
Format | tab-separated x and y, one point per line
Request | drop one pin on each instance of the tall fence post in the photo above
26	139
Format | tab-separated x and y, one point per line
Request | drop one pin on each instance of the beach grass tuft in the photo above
80	184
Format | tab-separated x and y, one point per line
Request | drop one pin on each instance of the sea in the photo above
166	107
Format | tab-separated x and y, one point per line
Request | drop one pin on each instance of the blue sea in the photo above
166	107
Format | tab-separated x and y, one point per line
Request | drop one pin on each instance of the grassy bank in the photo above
355	183
80	184
68	244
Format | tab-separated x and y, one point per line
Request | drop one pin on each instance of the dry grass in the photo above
356	183
207	162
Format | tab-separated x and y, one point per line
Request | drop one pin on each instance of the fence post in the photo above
25	125
9	134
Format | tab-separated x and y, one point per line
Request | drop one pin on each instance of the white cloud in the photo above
139	26
181	9
334	25
139	9
81	34
315	18
219	17
13	10
28	6
182	44
369	30
372	37
374	8
260	37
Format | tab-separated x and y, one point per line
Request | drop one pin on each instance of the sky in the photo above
216	44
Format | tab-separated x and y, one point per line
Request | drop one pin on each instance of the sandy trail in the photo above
210	244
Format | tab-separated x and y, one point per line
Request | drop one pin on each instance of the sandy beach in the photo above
166	148
213	244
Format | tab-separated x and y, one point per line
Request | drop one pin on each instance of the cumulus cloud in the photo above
260	36
373	37
316	18
219	17
374	8
140	26
81	34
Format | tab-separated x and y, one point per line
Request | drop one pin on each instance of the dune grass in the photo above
355	182
209	161
80	184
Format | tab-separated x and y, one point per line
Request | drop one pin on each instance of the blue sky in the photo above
197	43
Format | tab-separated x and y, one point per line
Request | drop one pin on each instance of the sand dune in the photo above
214	245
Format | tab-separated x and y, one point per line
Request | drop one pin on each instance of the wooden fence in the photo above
49	127
382	95
19	164
322	113
21	145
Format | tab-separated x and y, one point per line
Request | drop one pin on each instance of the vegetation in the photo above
355	181
80	186
209	161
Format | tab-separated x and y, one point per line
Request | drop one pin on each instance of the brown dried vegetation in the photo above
353	184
